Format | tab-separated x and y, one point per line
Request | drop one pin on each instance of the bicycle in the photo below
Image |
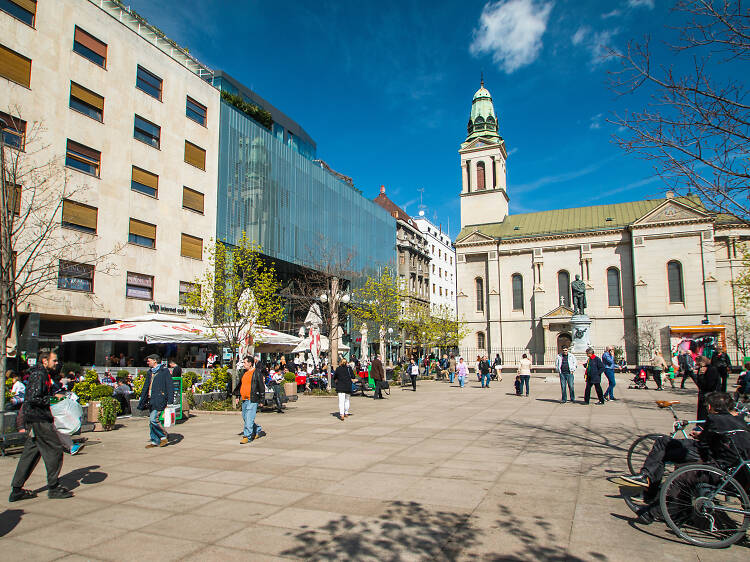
705	505
641	447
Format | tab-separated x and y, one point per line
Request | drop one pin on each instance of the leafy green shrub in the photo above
188	394
189	379
101	391
108	410
289	377
217	382
216	405
140	379
260	115
122	374
84	388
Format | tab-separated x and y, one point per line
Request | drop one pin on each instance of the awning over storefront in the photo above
156	328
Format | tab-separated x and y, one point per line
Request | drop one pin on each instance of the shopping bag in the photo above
67	414
169	416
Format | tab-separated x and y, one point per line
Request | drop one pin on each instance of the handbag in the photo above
384	384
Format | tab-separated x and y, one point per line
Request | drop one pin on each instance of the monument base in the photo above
581	327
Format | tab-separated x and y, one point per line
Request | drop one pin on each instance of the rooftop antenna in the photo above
481	78
422	206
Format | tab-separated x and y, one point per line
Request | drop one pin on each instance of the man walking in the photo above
594	370
251	390
43	440
687	366
566	366
157	393
452	368
723	364
377	372
484	369
608	360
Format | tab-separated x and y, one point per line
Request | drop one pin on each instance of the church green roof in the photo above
615	216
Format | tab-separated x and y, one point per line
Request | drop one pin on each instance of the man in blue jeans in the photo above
484	368
156	394
566	366
251	389
608	359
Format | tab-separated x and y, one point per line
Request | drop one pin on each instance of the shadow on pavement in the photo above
9	519
85	475
174	438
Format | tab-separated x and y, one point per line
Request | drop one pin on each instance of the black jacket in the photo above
38	391
714	446
594	370
709	381
342	379
162	390
484	366
257	385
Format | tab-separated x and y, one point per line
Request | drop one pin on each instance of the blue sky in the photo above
385	87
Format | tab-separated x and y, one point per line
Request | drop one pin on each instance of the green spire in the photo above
482	121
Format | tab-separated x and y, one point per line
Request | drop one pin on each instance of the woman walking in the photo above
462	372
608	360
524	371
342	380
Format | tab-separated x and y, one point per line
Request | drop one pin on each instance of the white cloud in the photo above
512	31
612	14
596	121
641	4
580	35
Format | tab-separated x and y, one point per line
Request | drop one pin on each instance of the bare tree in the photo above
34	244
695	128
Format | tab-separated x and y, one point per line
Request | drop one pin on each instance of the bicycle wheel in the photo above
639	450
697	513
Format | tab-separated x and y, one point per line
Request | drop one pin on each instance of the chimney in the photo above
670	194
382	189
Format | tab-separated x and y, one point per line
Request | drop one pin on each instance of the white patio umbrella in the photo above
304	345
156	328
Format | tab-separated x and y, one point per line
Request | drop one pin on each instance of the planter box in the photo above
92	414
290	388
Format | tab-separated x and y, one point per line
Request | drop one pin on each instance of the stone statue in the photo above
578	288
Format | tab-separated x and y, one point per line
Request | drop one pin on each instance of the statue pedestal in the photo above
581	328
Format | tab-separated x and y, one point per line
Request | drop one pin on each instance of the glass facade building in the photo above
290	204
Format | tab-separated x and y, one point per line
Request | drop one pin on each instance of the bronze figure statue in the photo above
578	288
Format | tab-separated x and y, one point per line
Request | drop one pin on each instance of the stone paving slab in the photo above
440	474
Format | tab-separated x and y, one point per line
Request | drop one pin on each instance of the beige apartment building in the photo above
657	272
130	119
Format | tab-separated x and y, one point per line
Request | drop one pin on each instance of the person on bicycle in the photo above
707	445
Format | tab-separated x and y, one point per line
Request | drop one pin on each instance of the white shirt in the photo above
18	388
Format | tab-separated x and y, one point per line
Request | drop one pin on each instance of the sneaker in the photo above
18	494
164	442
151	445
641	479
59	493
244	441
76	448
563	401
600	403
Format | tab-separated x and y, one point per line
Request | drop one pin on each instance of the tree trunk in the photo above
333	330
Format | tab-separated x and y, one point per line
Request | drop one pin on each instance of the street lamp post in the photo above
390	350
5	210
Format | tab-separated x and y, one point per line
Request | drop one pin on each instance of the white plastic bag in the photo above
68	414
169	416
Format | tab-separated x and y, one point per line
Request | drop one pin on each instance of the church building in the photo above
655	271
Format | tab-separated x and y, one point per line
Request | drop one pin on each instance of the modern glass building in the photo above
271	186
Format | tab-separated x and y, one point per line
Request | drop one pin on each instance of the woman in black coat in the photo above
342	382
708	380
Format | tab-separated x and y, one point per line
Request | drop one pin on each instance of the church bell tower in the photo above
483	155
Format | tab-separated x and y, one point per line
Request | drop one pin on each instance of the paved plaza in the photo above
440	474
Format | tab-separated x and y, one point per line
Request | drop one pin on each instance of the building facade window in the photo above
14	197
15	67
480	176
481	340
90	47
73	276
479	288
195	111
186	289
192	200
191	247
613	287
14	131
79	216
517	284
146	131
148	82
139	286
674	281
144	182
22	10
195	155
142	234
83	158
86	102
563	288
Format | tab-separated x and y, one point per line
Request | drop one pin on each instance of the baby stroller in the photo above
640	378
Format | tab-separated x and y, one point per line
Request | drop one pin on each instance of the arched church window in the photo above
517	282
481	340
480	176
470	127
674	280
613	287
479	123
563	287
479	287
